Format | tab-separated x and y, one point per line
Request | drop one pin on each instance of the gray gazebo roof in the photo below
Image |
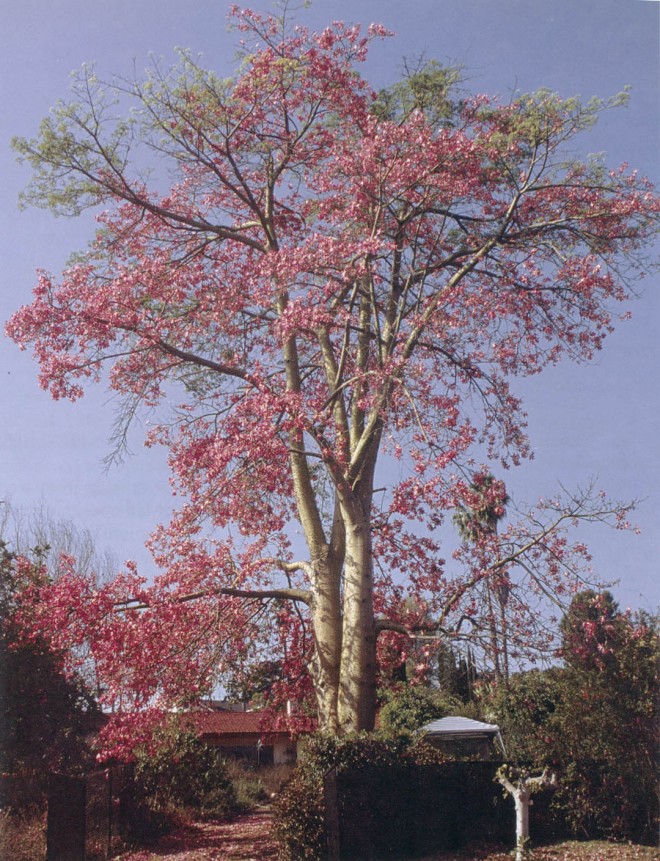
460	727
456	728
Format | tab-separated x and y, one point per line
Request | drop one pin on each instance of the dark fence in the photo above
374	814
90	817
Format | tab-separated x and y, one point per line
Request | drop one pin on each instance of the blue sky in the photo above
600	421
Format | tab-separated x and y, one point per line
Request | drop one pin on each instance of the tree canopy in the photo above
325	292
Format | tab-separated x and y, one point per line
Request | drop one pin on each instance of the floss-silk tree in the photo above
337	288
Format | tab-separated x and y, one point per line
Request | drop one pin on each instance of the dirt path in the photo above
248	838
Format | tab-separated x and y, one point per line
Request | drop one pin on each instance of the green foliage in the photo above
180	776
524	710
299	809
360	750
300	819
409	709
595	720
536	118
63	141
427	88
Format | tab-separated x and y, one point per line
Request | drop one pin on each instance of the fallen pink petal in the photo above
248	838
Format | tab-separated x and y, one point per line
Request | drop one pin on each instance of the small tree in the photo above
520	785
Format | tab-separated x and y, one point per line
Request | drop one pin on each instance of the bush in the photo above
183	778
594	721
411	708
300	809
300	819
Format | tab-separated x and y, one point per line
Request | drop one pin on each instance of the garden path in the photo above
250	838
247	838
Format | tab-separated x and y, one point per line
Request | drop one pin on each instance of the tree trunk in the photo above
327	626
505	640
494	639
521	791
521	800
357	683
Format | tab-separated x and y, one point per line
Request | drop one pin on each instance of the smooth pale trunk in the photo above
357	683
521	798
521	792
326	620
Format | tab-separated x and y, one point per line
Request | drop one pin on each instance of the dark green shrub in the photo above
381	760
300	819
410	708
45	716
183	777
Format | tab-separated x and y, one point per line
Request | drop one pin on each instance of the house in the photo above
463	737
241	735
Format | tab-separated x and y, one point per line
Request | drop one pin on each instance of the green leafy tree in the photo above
414	706
595	719
526	710
609	713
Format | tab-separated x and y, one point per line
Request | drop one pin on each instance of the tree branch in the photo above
301	595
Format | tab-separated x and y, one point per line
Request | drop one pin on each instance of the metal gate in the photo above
88	817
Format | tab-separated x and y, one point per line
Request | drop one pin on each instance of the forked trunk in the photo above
521	791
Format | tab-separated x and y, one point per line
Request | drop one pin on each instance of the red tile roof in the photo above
230	723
